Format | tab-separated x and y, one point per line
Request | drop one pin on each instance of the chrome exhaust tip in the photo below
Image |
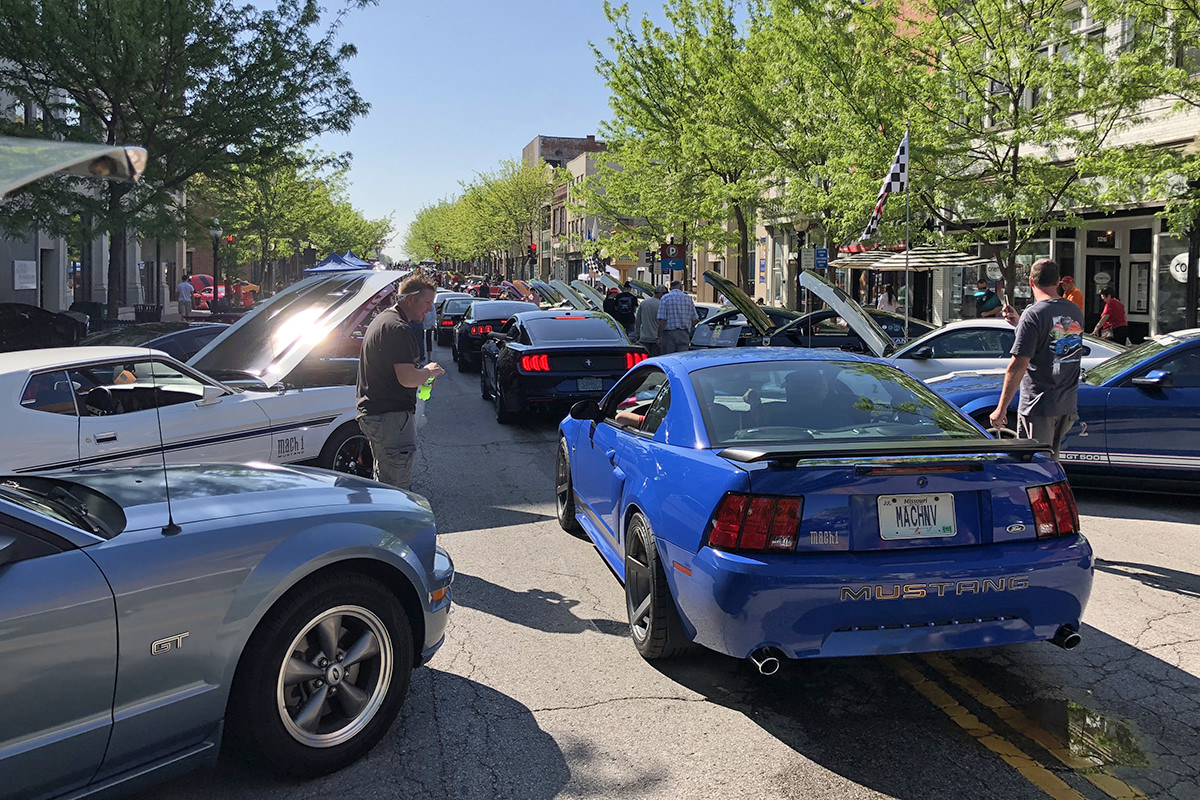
1066	637
767	660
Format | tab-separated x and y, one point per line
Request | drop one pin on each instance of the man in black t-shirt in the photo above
625	307
388	378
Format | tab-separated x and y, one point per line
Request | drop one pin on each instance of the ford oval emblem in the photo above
1016	527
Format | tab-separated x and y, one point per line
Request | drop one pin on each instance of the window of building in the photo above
1139	240
1102	239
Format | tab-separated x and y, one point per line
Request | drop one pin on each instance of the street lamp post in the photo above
215	232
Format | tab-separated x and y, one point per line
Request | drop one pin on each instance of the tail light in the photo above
535	363
480	330
755	523
1054	510
633	359
447	323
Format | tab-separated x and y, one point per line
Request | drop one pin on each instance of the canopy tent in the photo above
864	259
926	257
338	263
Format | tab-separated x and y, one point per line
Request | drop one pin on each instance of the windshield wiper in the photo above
62	501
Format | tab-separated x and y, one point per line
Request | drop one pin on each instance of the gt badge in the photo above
170	643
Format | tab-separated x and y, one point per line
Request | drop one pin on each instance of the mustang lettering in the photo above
912	591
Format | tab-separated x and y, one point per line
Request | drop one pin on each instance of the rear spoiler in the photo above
793	454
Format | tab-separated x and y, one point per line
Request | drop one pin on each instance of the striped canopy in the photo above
926	257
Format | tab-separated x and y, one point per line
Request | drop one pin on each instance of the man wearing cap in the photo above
1071	291
987	302
645	324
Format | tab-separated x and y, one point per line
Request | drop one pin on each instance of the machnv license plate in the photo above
916	516
590	384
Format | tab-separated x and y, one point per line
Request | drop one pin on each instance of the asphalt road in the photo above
538	692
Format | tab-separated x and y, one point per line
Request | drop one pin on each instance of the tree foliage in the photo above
205	86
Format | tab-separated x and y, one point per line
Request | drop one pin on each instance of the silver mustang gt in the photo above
289	603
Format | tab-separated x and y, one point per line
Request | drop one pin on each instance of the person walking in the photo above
1071	291
1045	363
625	305
987	302
645	323
1112	324
183	295
676	318
887	299
388	379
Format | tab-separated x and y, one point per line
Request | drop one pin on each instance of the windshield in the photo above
788	402
457	305
1110	368
550	330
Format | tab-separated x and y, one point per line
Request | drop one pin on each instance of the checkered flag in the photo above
896	181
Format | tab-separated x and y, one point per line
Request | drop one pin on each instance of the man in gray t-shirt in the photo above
1045	363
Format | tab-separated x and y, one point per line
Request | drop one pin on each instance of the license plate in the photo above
590	384
916	516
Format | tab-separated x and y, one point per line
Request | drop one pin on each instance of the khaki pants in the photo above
393	438
676	340
1047	430
185	308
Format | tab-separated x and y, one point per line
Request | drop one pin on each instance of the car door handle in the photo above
101	438
612	454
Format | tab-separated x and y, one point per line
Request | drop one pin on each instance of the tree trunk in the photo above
745	271
116	249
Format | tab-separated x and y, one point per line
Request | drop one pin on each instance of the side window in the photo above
635	402
658	409
127	387
50	392
1184	369
523	336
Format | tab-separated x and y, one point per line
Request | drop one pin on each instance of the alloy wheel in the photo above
354	457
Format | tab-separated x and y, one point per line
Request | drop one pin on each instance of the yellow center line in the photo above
1012	755
1109	784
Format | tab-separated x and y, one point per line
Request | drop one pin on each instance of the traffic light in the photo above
437	248
229	238
532	250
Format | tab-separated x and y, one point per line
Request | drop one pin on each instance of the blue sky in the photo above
456	86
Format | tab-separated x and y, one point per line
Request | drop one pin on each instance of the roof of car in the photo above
29	360
553	313
693	360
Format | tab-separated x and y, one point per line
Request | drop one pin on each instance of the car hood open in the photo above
739	300
873	336
570	295
23	160
320	317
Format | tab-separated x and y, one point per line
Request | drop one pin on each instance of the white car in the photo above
975	344
277	387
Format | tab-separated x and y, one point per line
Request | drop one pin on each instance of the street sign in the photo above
822	258
808	258
672	256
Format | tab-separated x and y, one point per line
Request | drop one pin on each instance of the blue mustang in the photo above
783	502
1139	413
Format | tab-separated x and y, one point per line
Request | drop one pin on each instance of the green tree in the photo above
204	85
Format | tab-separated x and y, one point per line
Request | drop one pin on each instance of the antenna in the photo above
170	529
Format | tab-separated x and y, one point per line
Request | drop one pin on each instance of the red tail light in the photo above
535	363
1054	510
447	323
755	523
633	359
480	330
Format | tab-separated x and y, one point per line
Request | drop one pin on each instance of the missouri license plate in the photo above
916	516
590	384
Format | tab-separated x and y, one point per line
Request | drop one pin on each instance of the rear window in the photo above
457	305
574	329
777	402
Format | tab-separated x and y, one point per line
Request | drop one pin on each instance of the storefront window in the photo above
1172	267
1031	252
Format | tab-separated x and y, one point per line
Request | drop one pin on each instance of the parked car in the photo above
973	344
23	327
1139	414
773	503
448	314
824	328
539	359
289	604
482	318
180	340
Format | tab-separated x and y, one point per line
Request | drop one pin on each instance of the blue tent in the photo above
337	263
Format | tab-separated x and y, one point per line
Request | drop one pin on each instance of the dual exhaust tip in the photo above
769	660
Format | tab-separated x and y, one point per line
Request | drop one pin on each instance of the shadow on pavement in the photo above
1168	580
1182	508
541	610
1114	708
455	738
458	518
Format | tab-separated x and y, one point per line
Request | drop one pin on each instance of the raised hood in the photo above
570	295
589	294
23	160
873	336
750	310
319	317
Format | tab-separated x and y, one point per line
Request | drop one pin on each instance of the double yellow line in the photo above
1029	768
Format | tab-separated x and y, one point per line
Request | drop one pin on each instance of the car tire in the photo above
348	450
503	415
304	719
454	353
564	491
483	387
654	623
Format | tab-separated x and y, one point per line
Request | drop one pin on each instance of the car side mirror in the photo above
587	410
923	353
497	337
1155	378
212	395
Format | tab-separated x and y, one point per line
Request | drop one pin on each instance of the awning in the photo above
865	259
926	257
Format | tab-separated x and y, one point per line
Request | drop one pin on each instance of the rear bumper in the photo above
559	388
856	604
